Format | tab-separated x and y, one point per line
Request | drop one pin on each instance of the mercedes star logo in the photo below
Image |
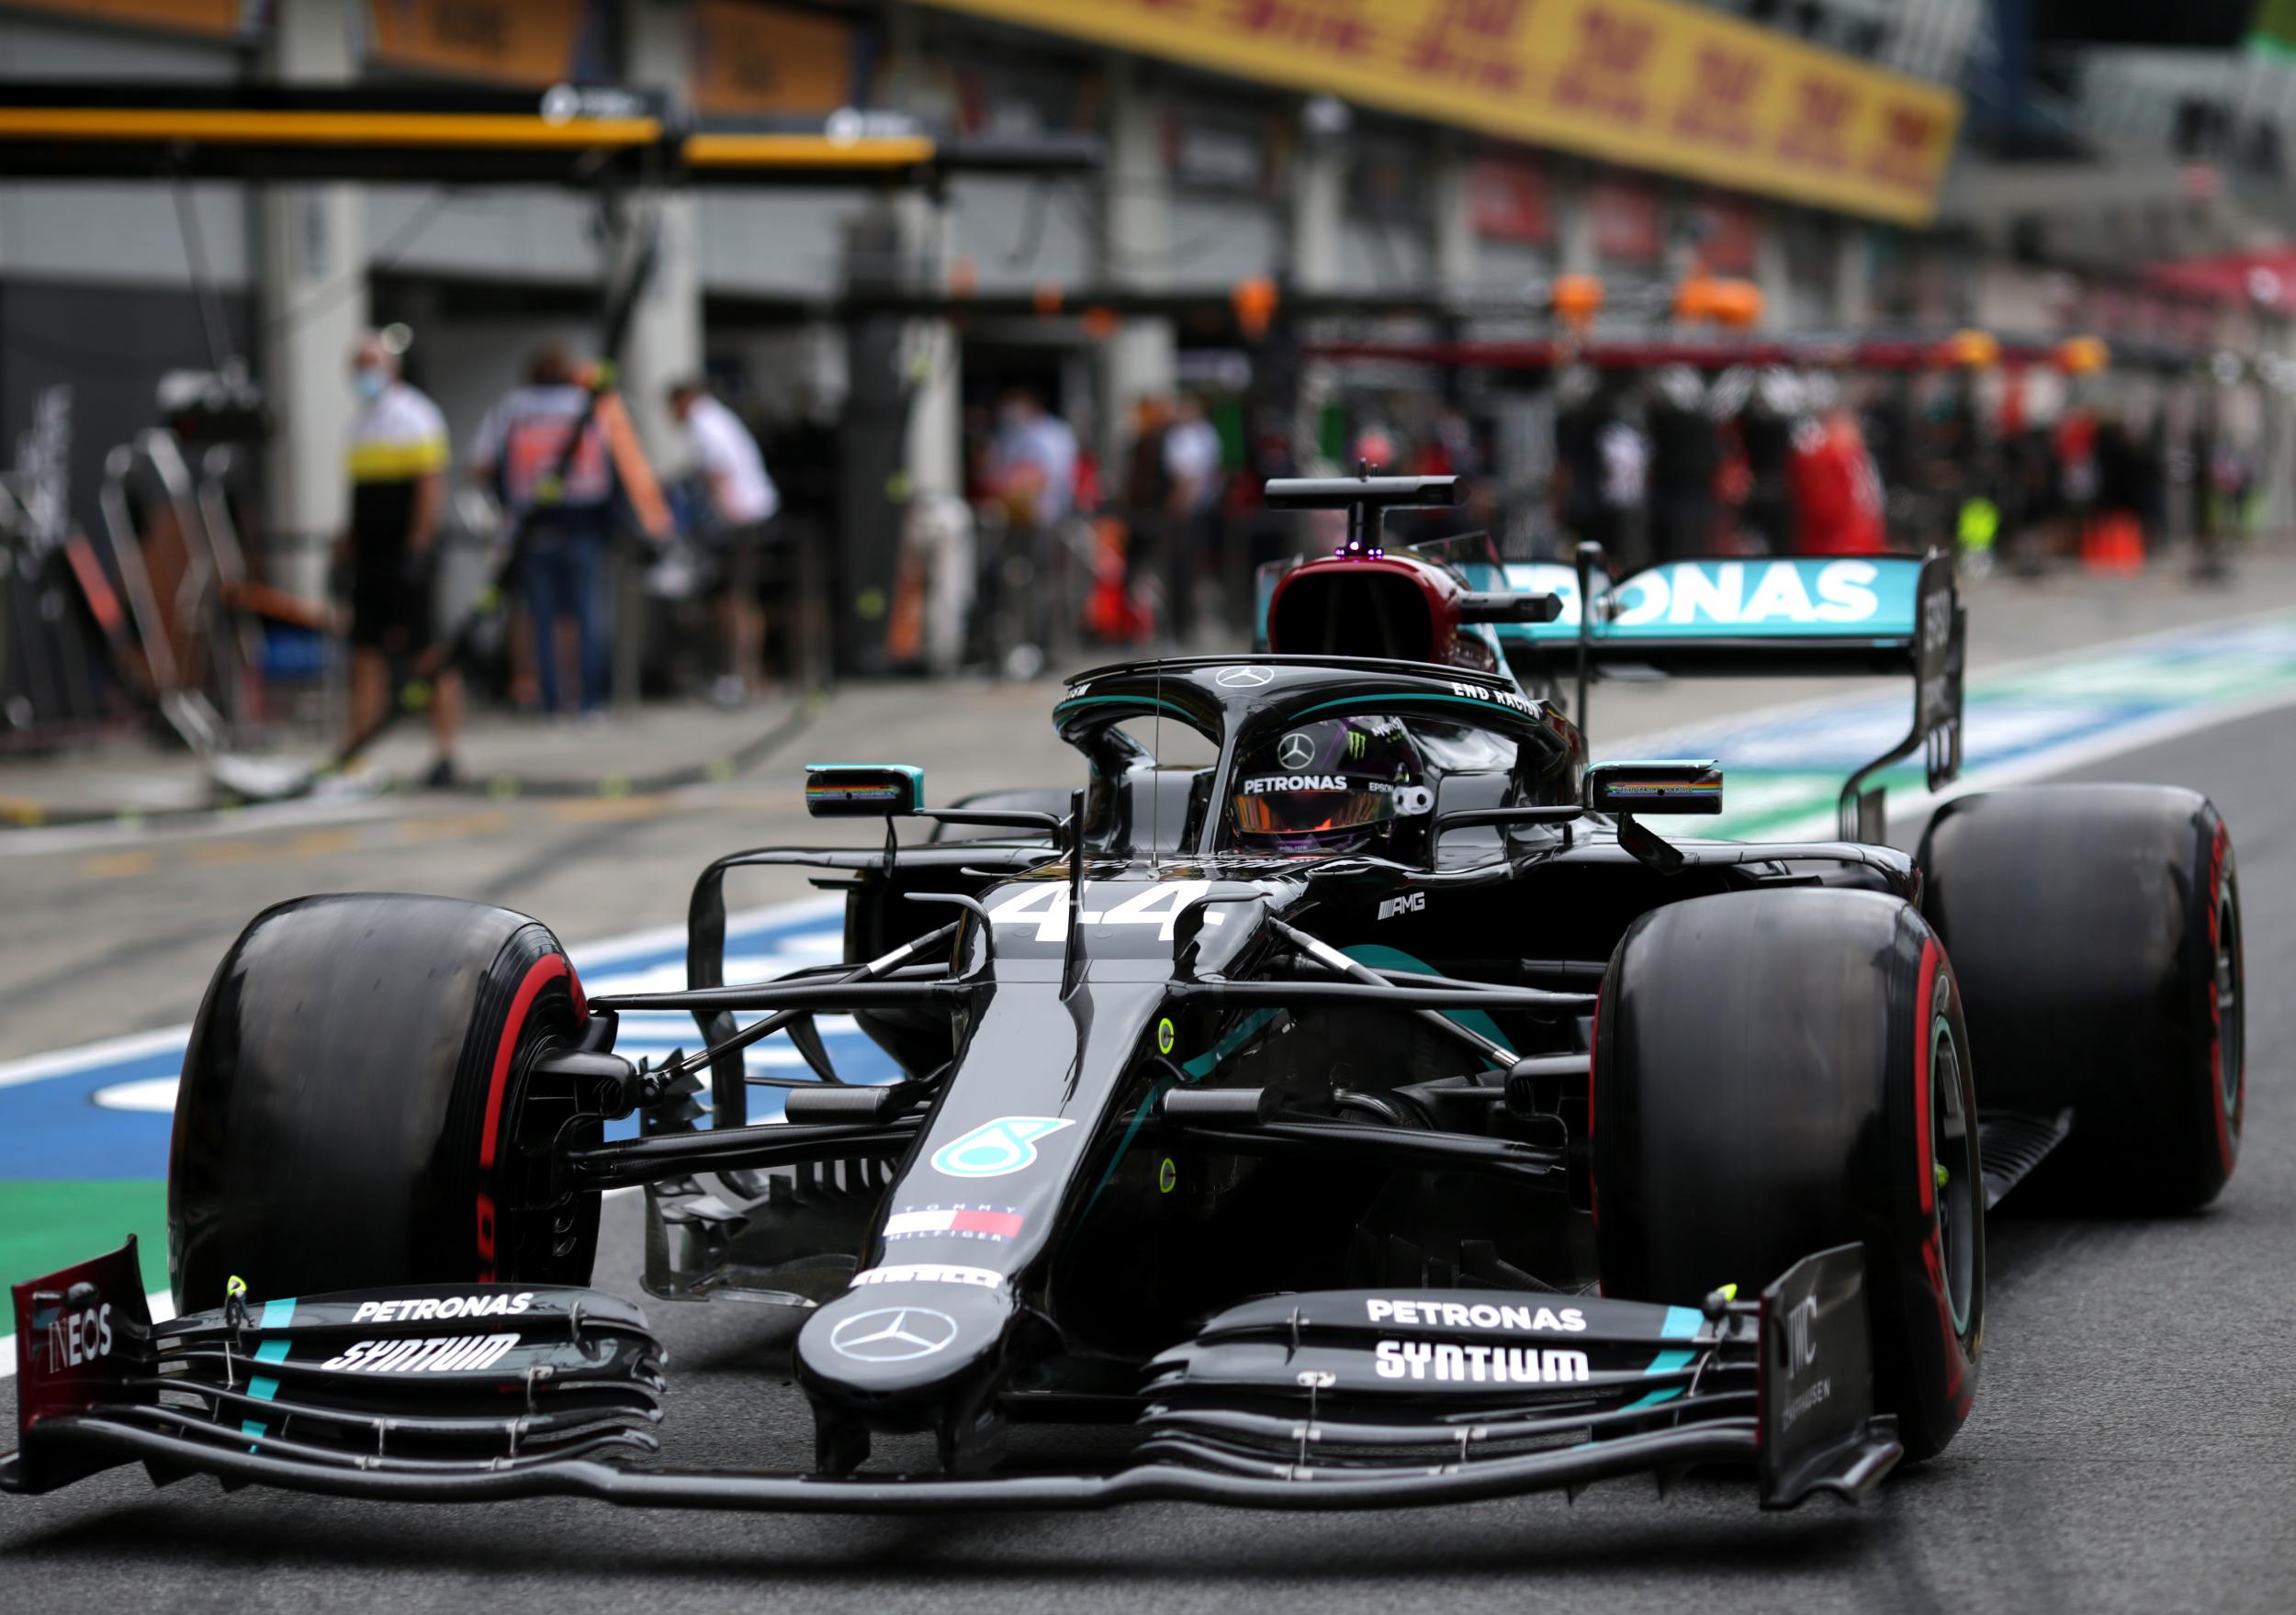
894	1334
1295	752
1244	678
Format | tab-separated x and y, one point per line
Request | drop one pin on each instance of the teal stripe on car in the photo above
1382	958
1235	1038
1139	1118
1133	701
1681	1323
262	1387
1375	701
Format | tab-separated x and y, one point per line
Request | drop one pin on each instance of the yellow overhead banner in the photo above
768	60
504	41
222	18
1658	85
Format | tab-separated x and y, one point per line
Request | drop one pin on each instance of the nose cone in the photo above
905	1355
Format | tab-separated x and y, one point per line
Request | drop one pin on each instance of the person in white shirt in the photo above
1191	458
1035	460
742	499
1191	466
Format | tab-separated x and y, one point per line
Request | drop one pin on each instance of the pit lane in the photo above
2129	1449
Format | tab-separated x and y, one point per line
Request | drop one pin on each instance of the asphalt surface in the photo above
2131	1447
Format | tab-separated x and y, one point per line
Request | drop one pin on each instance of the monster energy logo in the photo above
1355	743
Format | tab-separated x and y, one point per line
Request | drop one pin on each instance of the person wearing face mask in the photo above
398	462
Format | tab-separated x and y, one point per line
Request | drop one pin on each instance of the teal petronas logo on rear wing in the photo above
1843	615
1863	598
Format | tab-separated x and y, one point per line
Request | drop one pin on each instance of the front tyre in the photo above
1776	1073
356	1110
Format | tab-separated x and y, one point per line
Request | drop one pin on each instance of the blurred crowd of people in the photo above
1158	547
564	467
1665	464
621	578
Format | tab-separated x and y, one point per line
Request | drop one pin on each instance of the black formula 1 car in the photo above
1381	1112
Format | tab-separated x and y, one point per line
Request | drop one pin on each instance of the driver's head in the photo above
1342	785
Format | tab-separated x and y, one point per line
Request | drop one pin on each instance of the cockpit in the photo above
1291	757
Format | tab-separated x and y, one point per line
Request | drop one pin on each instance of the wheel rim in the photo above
2229	1039
1952	1148
540	1237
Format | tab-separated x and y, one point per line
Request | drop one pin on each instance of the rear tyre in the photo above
356	1110
1777	1073
2097	928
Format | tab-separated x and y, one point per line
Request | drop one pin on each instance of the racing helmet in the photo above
1342	785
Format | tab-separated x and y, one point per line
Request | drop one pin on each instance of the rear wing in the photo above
1760	616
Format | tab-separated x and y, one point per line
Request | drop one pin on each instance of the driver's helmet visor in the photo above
1309	812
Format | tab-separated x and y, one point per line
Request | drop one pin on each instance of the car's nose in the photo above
907	1355
932	1324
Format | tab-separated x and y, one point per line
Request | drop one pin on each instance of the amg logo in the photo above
1267	783
1411	902
449	1354
1455	1315
442	1306
1497	1365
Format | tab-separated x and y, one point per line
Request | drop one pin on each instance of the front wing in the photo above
1341	1400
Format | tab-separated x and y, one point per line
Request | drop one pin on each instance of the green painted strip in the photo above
277	1315
2015	718
46	1225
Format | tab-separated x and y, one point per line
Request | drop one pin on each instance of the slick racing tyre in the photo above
2097	930
1777	1073
354	1109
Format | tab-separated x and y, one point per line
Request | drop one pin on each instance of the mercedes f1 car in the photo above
1383	1112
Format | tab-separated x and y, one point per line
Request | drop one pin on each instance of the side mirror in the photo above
864	790
1667	787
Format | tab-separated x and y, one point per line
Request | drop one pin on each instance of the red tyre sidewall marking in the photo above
1594	1187
1932	1253
2227	1144
551	967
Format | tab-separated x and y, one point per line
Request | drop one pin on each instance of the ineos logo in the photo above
1243	677
1295	751
894	1334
